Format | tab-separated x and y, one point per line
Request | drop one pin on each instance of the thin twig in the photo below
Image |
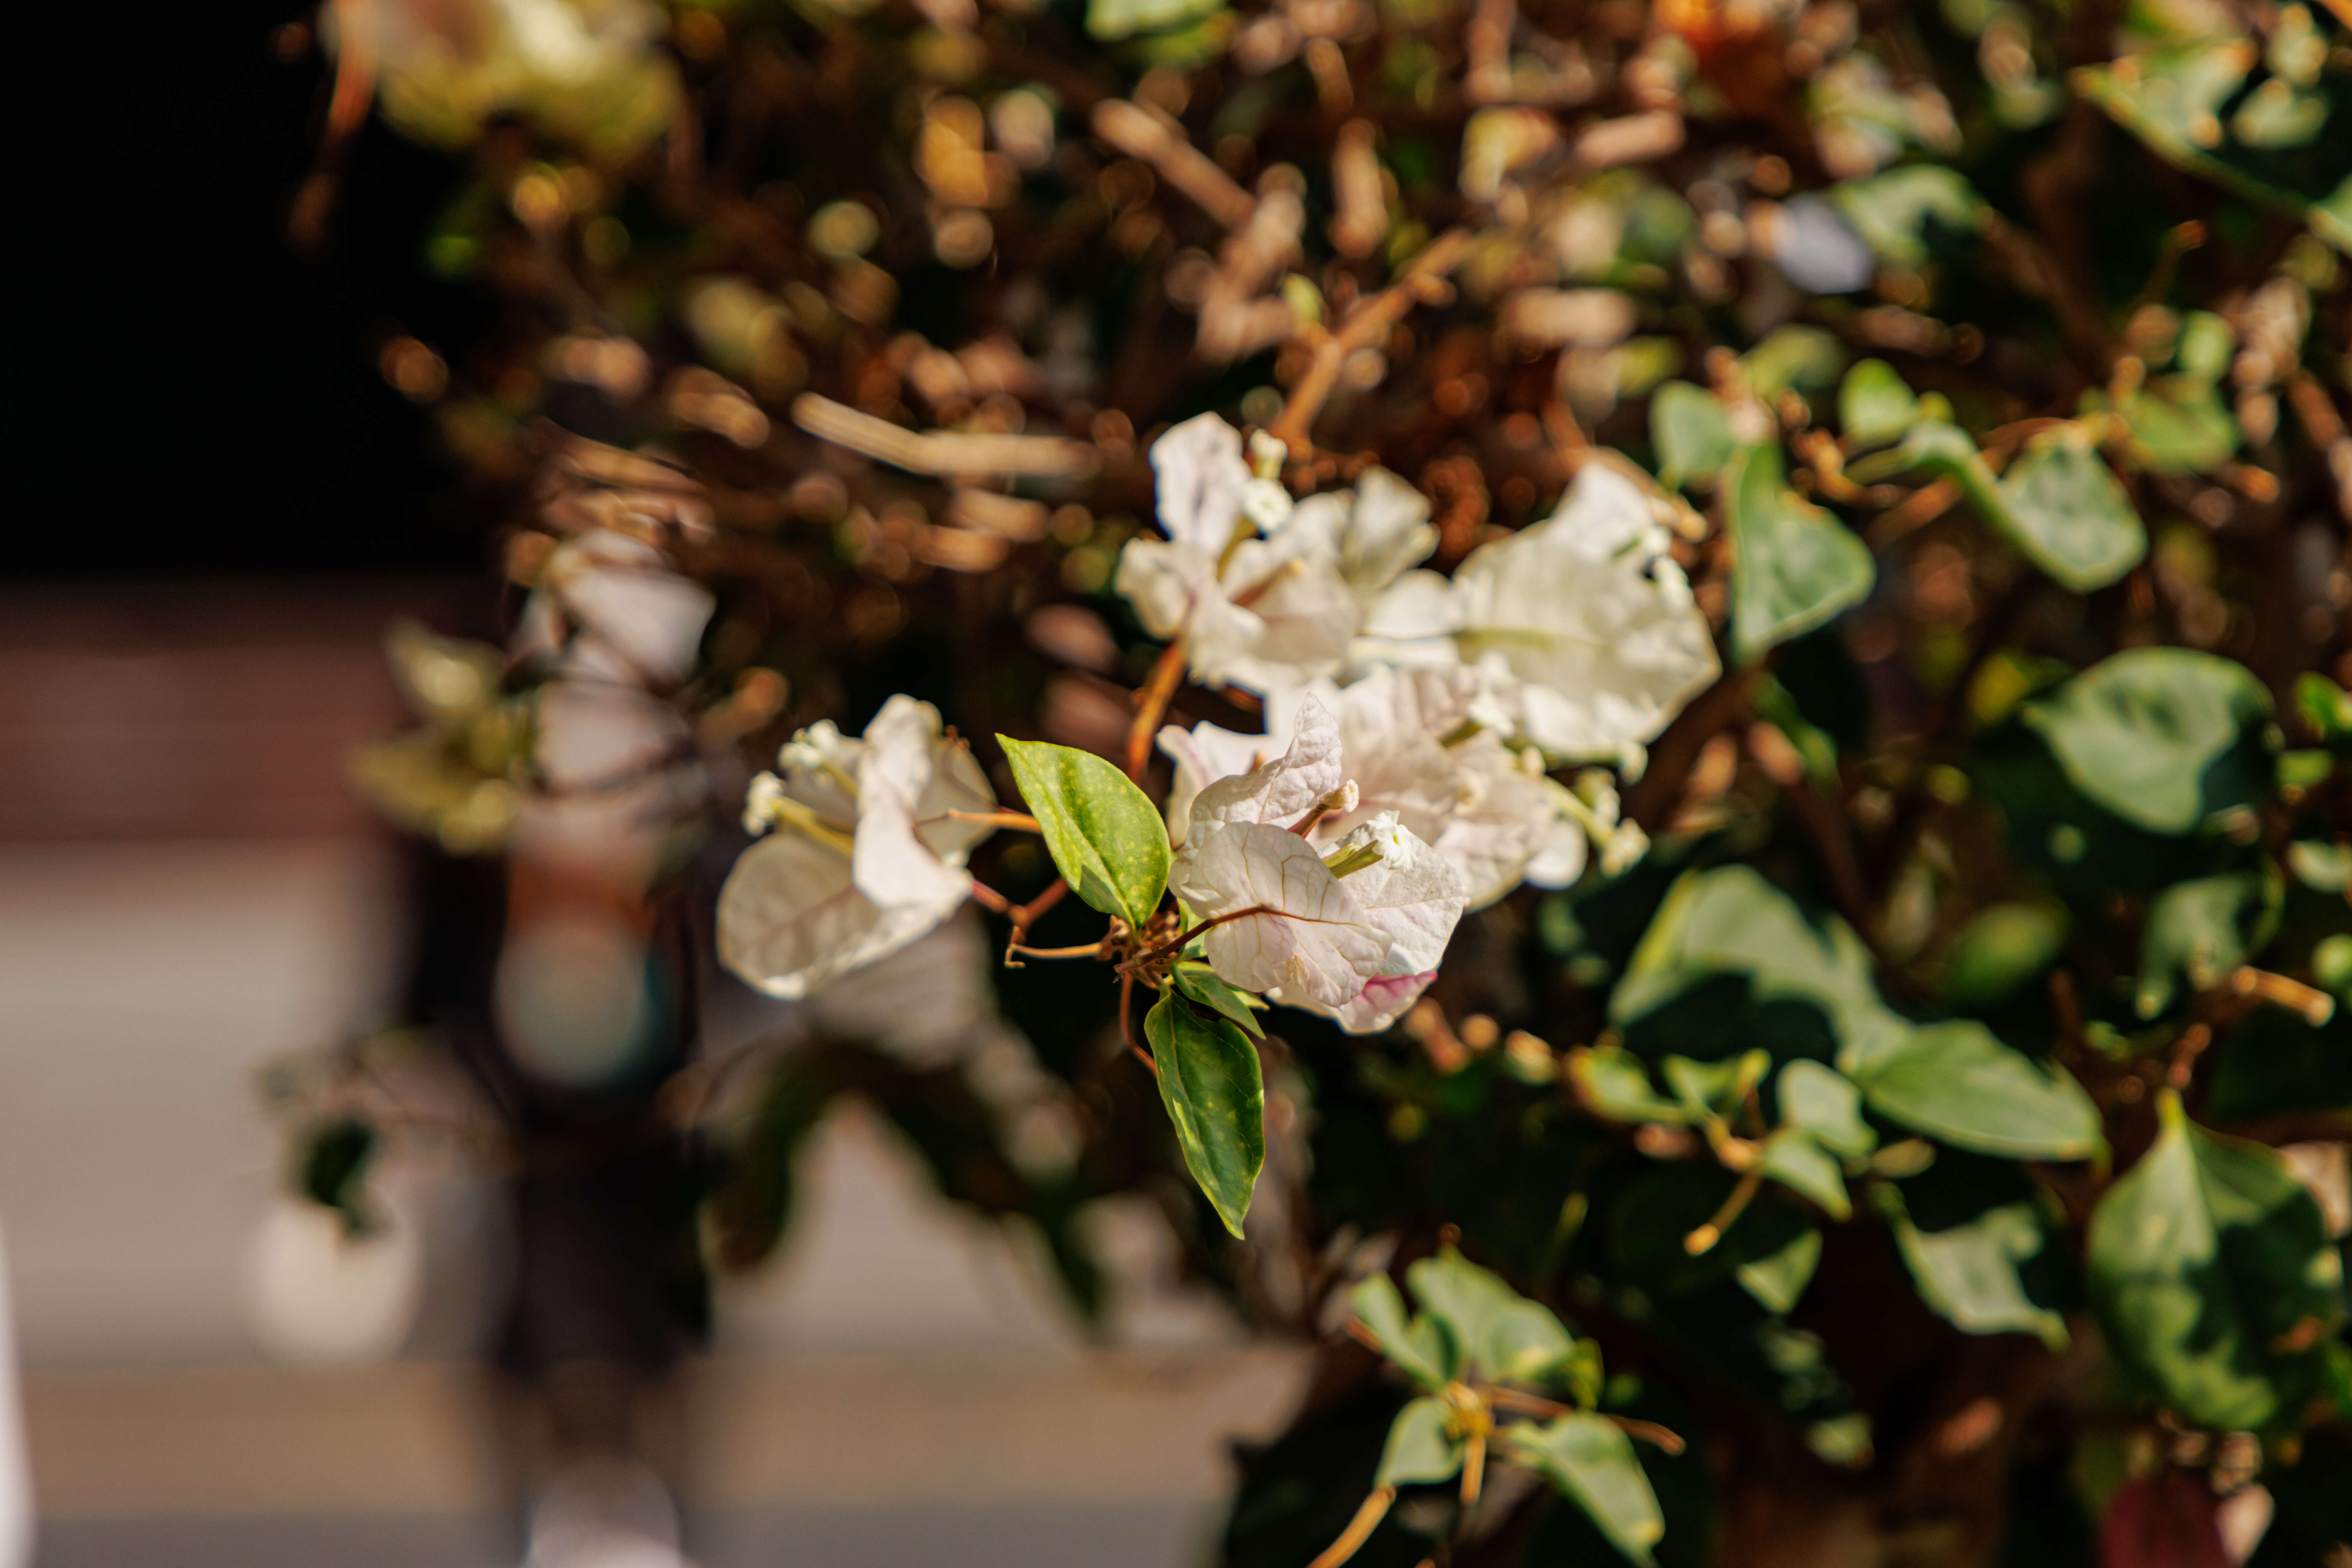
1422	282
1151	706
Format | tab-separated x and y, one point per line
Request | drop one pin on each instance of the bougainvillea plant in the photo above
1677	668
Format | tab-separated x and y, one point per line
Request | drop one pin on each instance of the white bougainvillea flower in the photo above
1309	940
611	607
1584	619
1424	745
864	859
1257	612
1374	532
1411	892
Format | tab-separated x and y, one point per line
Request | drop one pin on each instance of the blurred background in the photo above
230	505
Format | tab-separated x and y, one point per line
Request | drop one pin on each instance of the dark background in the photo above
192	396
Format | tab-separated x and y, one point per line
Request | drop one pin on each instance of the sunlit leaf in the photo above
1106	838
1499	1331
1826	1103
1413	1342
1955	1082
2069	513
1793	1158
1874	406
1199	983
2200	930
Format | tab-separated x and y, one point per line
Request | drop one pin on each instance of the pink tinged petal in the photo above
1382	1002
1285	789
1200	477
1314	942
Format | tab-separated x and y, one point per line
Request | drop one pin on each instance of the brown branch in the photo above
1151	706
1422	282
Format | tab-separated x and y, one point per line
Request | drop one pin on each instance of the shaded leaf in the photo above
1105	835
1419	1448
1592	1462
1777	1280
1210	1082
2068	512
2212	1273
1793	564
1955	1082
1969	1273
2156	735
2001	948
1690	432
2200	930
1199	983
1416	1345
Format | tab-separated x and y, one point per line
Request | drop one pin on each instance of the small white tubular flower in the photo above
1404	887
1309	940
865	859
1589	614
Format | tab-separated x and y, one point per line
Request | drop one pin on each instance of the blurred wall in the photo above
186	892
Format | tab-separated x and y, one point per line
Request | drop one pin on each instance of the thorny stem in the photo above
1151	706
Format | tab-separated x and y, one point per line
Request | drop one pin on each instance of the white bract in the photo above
1423	744
1315	929
864	858
1263	595
1583	623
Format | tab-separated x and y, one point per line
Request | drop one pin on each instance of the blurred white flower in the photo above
866	858
611	607
1583	623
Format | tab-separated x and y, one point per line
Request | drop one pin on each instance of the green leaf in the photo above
1690	431
1420	1448
1793	1158
1952	1081
2212	1276
1113	20
2068	512
1730	921
2326	707
2003	947
2322	867
2178	425
1969	1273
1792	358
1592	1462
1499	1332
1210	1082
1200	983
1611	1082
1874	406
1715	1089
1826	1103
1892	211
2150	735
2201	930
1955	1082
1793	565
1104	833
1416	1344
1777	1280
